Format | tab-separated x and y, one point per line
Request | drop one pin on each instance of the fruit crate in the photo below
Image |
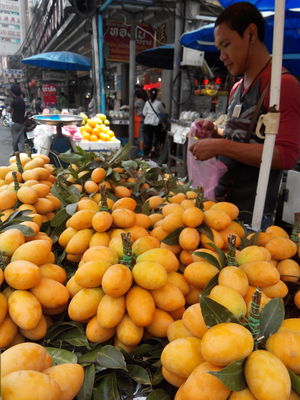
97	146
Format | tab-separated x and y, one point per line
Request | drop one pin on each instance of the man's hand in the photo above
204	129
204	149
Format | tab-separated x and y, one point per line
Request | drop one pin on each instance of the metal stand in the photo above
177	155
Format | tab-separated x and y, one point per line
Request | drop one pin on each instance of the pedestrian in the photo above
152	131
62	101
138	120
38	106
239	35
17	108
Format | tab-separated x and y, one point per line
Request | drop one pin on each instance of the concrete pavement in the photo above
5	145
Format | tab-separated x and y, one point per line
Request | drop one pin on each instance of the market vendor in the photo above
239	35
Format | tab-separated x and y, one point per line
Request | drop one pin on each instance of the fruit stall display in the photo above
118	281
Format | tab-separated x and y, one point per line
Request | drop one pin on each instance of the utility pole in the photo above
23	10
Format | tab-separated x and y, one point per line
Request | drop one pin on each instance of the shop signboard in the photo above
9	5
54	76
117	38
49	94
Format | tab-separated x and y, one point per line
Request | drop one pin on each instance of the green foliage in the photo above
209	258
172	238
232	376
214	313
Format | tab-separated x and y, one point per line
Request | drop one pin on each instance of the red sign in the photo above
49	94
117	38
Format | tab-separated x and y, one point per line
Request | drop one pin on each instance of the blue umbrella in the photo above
157	57
203	39
60	60
263	5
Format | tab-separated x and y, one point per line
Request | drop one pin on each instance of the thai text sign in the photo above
49	94
117	38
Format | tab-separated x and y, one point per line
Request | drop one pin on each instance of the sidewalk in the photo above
5	145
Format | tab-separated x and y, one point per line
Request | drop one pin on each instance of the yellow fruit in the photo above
225	343
111	311
128	332
36	251
266	376
171	222
289	270
217	239
154	202
69	378
230	299
199	273
276	231
168	297
201	385
281	248
143	244
140	306
50	293
81	219
96	333
173	379
285	344
10	240
230	208
98	174
182	356
53	271
235	278
125	202
24	309
79	243
177	279
117	280
193	320
3	307
123	217
261	273
163	256
33	385
8	330
99	239
280	289
189	239
8	199
177	330
23	356
90	273
149	275
160	323
100	253
242	395
85	303
216	219
22	274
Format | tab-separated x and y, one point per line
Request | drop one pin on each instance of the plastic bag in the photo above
204	173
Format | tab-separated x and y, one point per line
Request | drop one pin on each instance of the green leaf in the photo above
76	337
139	374
206	230
108	388
221	254
214	313
86	390
61	356
90	357
60	218
71	208
211	284
295	379
172	238
232	376
146	208
70	158
157	377
130	164
271	317
208	257
110	357
26	230
159	394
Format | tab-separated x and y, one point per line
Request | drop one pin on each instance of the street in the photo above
5	145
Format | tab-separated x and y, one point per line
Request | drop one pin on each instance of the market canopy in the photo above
203	39
59	60
263	5
157	57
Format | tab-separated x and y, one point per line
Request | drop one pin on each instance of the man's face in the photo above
234	49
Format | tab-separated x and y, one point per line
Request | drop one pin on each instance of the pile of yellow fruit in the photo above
96	129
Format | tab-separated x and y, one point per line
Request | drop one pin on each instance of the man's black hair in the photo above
239	16
16	89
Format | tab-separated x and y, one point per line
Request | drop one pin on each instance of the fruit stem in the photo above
18	162
127	249
27	149
200	197
104	205
231	250
253	320
16	183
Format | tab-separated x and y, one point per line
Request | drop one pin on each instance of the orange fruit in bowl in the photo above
111	133
106	122
86	135
96	131
88	129
94	138
91	123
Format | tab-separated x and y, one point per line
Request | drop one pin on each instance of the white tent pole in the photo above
269	142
